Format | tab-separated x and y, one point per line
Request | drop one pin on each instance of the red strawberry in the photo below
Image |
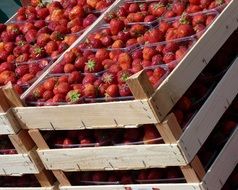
93	66
122	76
153	36
31	36
124	90
116	26
63	87
89	78
89	20
109	78
148	53
43	39
73	96
89	91
112	91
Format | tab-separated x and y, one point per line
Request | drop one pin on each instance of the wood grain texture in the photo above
17	164
191	186
206	119
41	144
8	123
223	165
98	115
112	158
174	86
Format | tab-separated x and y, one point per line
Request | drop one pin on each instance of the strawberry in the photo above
89	78
124	90
124	61
93	66
37	52
58	98
122	76
77	11
38	92
150	134
89	20
89	91
68	68
137	30
48	94
63	87
31	36
43	39
101	54
157	9
148	53
109	78
153	36
73	96
116	26
112	91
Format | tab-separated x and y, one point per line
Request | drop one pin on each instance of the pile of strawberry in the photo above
97	69
146	134
39	34
126	177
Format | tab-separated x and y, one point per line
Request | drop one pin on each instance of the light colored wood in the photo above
206	119
192	186
82	38
176	84
12	97
22	141
193	172
98	115
140	85
223	165
17	164
4	105
8	123
41	144
171	131
112	157
45	178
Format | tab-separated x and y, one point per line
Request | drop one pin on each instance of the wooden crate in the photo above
147	110
180	153
214	179
26	161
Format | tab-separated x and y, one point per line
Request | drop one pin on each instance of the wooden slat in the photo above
99	115
8	123
112	157
22	142
171	131
178	186
40	142
174	86
223	165
206	119
17	164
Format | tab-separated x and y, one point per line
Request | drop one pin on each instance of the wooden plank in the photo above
171	131
40	142
191	186
45	178
22	141
140	85
112	157
17	164
98	115
8	123
206	119
174	86
223	165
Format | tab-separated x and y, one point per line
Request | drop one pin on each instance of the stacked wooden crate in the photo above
26	161
149	107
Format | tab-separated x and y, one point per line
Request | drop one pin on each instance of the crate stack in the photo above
182	144
25	161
